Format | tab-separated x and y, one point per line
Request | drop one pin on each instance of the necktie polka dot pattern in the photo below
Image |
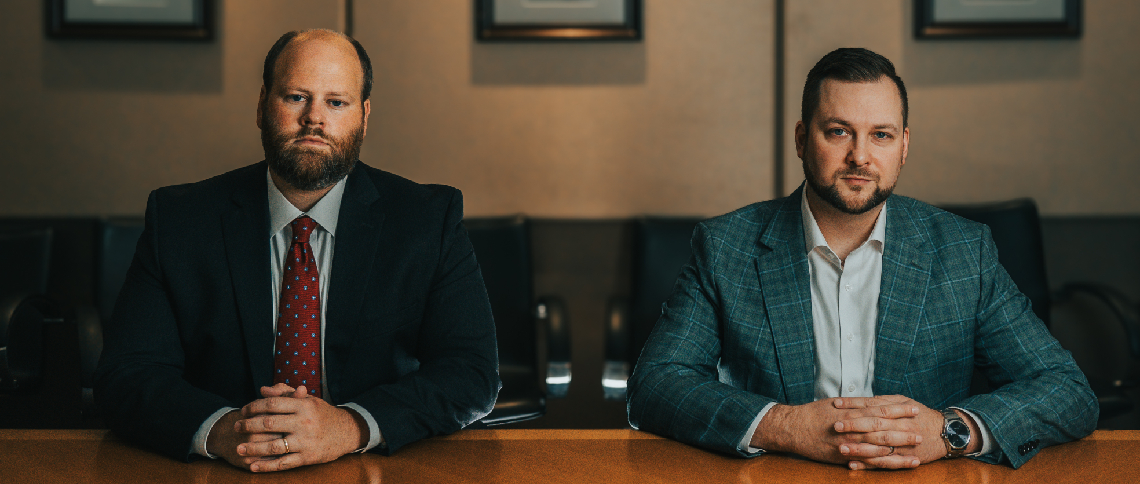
297	346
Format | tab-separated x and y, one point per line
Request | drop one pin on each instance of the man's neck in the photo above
843	231
304	200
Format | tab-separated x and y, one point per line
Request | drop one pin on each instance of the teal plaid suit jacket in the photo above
737	333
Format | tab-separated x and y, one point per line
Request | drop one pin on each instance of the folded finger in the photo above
887	462
269	405
301	392
884	438
263	437
259	424
866	451
273	447
865	402
278	390
287	461
875	424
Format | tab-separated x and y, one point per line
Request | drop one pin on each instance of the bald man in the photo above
306	306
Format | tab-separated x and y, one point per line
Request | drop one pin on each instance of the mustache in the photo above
311	131
860	173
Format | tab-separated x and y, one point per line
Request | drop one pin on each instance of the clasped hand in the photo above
287	428
890	431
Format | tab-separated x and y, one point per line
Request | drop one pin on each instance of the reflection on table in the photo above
527	456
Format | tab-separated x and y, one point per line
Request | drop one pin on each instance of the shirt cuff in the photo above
745	444
987	447
374	437
199	444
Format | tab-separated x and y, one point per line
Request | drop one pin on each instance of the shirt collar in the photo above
813	237
326	212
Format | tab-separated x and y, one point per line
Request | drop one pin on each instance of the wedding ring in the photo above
891	446
286	441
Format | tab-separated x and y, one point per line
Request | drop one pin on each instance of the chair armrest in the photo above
615	372
551	314
1116	301
22	317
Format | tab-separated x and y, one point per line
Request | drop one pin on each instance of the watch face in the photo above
958	434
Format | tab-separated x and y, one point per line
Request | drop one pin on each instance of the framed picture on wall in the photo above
523	20
997	18
131	19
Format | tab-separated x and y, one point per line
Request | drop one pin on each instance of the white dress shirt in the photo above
844	311
326	213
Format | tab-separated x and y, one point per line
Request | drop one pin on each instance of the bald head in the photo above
315	42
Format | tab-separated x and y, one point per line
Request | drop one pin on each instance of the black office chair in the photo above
1016	229
660	248
25	259
502	247
37	361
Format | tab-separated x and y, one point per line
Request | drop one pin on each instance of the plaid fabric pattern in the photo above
737	333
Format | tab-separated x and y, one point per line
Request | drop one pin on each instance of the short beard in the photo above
830	193
309	170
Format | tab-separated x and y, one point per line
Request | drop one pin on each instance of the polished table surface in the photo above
507	456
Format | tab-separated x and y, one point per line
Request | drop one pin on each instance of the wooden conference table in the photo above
540	456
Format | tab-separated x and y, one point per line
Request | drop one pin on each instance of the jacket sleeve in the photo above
1042	398
139	386
457	380
675	389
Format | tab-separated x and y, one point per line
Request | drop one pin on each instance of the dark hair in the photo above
275	51
849	65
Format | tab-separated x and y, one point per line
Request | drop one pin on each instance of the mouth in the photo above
856	180
311	141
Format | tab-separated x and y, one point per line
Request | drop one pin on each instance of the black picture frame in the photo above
201	29
486	29
925	27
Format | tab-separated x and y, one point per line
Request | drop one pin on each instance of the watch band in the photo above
955	433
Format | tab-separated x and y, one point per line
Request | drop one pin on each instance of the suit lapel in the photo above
357	237
785	286
245	230
905	282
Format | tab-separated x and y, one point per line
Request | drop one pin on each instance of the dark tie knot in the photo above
303	226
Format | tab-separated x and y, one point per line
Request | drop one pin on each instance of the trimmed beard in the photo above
830	193
306	169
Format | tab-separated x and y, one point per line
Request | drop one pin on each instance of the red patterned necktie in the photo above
297	349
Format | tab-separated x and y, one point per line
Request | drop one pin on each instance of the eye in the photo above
337	103
837	131
882	135
295	98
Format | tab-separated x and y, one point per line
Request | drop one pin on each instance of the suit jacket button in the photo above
1023	449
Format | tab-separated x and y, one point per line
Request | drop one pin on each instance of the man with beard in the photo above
843	324
298	309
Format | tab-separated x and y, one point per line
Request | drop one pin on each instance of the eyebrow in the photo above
843	122
306	91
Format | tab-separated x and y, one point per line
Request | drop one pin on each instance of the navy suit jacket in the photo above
409	334
737	333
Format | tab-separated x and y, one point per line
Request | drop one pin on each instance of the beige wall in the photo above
92	126
679	123
996	119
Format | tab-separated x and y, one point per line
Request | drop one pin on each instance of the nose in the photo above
313	115
858	154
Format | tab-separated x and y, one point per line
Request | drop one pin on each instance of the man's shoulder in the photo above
401	190
749	219
740	230
940	228
212	191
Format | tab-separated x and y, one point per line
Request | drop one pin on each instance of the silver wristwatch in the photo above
955	433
